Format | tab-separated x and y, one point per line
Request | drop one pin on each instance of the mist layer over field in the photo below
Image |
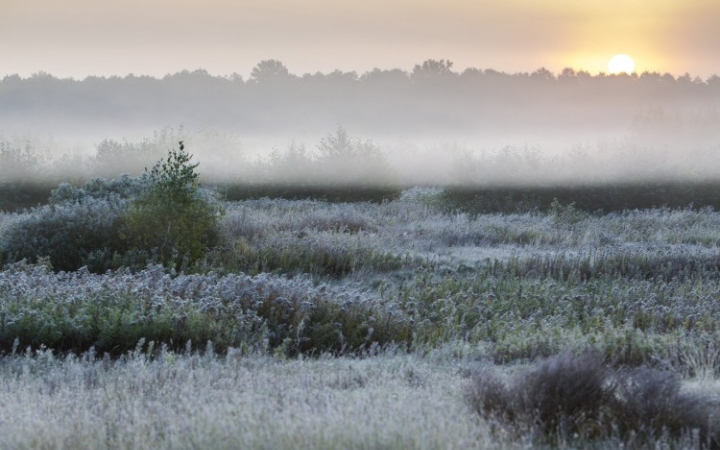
431	125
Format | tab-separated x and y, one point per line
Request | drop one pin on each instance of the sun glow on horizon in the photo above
621	63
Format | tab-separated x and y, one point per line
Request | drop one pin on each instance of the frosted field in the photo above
444	294
180	402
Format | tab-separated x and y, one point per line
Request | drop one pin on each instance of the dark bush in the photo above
315	258
68	233
127	222
566	394
578	399
80	226
649	402
493	398
23	194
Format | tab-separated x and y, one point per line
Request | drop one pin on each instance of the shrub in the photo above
21	194
566	215
25	178
172	218
587	198
567	393
563	397
80	227
310	257
577	398
126	222
67	233
74	312
124	187
649	402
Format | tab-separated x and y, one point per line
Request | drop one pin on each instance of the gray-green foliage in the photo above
113	312
123	187
79	225
566	214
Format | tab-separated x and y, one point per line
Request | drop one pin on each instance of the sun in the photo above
621	64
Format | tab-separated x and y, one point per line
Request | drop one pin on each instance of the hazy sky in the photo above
76	38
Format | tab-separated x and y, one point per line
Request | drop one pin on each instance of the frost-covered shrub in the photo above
113	312
80	226
68	233
123	187
578	399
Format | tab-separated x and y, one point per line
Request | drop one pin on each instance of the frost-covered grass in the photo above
315	281
395	401
189	402
74	312
367	275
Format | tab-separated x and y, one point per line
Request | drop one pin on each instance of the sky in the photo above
78	38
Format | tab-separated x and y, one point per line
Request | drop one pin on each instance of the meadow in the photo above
399	324
329	299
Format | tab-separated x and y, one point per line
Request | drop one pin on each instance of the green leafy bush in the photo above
172	218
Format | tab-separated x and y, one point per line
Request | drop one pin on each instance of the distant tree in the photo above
668	78
385	79
269	70
336	146
583	75
472	72
542	74
340	78
714	81
567	73
351	161
568	76
432	68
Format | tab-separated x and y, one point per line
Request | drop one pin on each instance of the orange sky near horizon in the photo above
78	38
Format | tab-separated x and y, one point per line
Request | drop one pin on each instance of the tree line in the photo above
431	97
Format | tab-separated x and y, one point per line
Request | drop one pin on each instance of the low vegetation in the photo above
161	217
567	327
572	400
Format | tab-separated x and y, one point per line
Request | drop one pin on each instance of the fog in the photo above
429	126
